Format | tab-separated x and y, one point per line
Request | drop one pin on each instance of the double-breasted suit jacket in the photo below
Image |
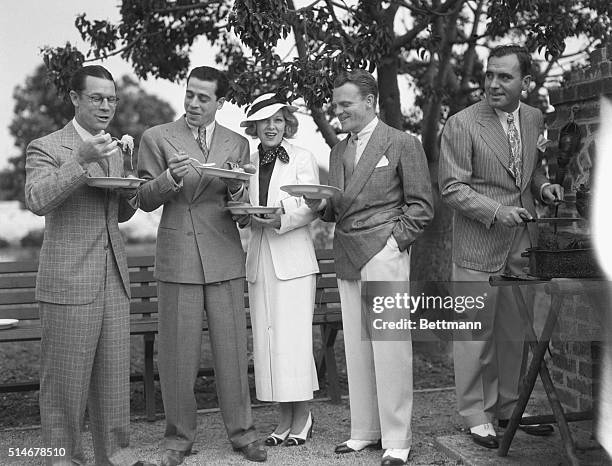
291	245
388	193
80	221
199	265
197	240
475	179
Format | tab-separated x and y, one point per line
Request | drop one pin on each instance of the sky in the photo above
28	25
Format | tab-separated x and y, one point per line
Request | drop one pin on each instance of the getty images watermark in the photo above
464	311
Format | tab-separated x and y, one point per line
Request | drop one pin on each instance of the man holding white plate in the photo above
199	264
83	283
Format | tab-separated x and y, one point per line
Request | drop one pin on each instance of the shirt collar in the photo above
209	130
368	129
504	115
82	132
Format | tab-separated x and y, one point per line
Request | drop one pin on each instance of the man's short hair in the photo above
364	81
77	81
208	73
523	55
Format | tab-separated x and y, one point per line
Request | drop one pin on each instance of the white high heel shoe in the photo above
300	439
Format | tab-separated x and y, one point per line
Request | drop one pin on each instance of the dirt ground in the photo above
20	362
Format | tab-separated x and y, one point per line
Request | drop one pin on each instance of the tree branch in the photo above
195	6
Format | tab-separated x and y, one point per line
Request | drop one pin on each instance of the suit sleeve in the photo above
455	175
152	166
297	214
418	199
48	184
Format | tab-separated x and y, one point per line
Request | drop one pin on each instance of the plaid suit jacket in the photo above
197	240
388	193
475	178
81	222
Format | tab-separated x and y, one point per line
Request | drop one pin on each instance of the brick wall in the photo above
574	363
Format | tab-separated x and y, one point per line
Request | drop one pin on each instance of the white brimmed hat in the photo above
265	106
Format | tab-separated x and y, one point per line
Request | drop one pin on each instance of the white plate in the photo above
253	210
312	191
8	323
114	182
223	173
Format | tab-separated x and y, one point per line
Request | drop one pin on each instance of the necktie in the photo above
270	155
348	158
516	163
201	139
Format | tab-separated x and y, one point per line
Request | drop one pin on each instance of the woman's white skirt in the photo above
281	318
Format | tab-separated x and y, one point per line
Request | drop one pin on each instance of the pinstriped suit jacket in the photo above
197	240
474	179
80	221
379	199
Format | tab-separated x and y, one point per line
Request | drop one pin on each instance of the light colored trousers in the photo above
379	372
488	369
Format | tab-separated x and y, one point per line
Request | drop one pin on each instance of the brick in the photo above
606	86
564	362
582	348
585	404
586	90
579	384
567	397
605	68
585	369
557	375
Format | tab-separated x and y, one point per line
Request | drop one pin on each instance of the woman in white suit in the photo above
281	269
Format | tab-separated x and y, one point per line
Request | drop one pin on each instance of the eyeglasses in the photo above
98	99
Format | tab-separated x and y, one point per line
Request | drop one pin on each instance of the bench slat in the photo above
24	281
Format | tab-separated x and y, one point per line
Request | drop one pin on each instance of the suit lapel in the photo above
218	153
493	134
254	181
373	152
71	141
180	138
529	139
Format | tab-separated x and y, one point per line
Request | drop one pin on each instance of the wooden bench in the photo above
17	301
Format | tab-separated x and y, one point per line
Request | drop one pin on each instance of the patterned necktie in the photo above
201	139
348	158
516	163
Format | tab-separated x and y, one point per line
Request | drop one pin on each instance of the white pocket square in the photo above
383	162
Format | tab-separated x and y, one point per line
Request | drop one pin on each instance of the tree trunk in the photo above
388	90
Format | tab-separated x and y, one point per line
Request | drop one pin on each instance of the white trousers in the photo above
379	372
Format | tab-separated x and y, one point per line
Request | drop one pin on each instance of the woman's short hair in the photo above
291	125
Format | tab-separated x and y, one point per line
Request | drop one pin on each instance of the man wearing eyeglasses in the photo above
82	284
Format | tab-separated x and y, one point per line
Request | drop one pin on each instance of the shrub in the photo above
4	243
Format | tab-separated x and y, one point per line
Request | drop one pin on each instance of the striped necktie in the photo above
516	162
201	139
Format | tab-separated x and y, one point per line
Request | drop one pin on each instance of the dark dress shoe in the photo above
540	430
391	461
173	457
253	452
487	441
344	448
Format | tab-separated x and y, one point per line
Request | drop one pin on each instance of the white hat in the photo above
265	106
